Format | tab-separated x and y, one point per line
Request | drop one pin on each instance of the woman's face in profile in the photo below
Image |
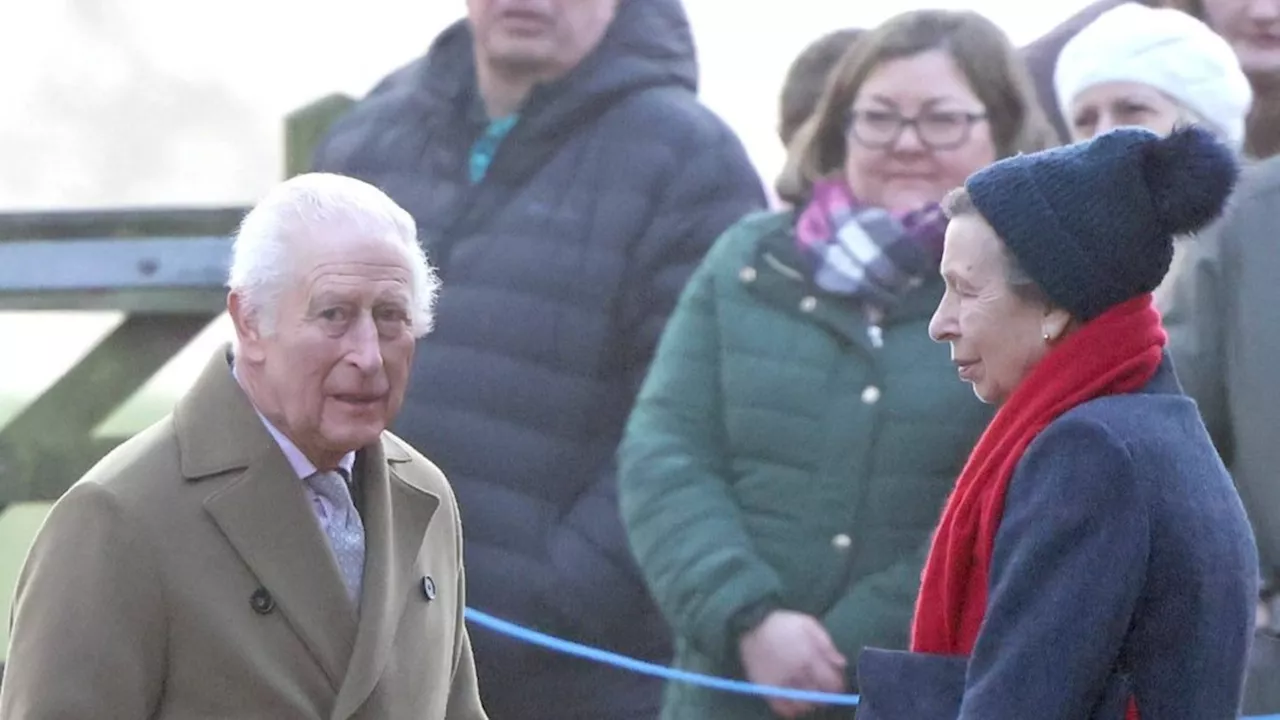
996	336
1107	106
916	131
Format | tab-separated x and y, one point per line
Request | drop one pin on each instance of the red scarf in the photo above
1117	352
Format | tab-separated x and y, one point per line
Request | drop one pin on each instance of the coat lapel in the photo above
265	517
396	516
264	514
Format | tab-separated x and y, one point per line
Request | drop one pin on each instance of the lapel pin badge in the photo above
428	588
261	601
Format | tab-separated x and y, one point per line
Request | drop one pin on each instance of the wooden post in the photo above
305	127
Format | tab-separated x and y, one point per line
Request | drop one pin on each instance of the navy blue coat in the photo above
1123	564
559	270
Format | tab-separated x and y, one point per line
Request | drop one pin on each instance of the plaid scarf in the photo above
866	252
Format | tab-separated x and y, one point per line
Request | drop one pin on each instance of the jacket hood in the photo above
649	44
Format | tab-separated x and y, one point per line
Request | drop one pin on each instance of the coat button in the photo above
747	274
875	334
809	304
428	588
261	601
870	395
841	542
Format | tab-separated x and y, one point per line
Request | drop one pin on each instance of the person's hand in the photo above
793	650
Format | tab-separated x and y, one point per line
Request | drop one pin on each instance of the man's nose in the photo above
364	349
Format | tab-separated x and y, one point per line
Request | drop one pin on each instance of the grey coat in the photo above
1223	320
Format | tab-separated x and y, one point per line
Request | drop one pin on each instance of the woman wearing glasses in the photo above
798	433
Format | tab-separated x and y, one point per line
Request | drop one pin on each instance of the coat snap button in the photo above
428	587
875	334
809	304
747	274
261	601
870	395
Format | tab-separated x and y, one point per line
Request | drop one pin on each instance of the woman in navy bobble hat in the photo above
1094	560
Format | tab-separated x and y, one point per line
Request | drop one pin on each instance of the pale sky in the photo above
171	102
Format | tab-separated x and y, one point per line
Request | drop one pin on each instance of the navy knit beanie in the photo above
1093	223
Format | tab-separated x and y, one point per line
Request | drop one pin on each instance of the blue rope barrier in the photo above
533	637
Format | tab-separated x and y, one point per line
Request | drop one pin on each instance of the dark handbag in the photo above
898	685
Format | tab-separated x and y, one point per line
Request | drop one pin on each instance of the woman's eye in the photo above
1131	110
945	121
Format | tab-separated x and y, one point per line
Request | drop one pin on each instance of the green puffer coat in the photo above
783	447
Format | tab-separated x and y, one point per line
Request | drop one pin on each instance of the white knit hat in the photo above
1165	49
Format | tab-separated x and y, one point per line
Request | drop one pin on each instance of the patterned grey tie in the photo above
341	523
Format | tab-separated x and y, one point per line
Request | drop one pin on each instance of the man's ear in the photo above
248	327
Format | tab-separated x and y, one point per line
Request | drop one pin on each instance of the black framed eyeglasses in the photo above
937	129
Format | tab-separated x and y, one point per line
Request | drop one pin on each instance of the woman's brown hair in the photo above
981	51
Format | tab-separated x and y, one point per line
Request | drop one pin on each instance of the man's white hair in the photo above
325	205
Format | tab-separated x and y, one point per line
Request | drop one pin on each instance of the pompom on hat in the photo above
1093	223
1165	49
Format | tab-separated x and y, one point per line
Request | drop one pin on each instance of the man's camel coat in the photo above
185	576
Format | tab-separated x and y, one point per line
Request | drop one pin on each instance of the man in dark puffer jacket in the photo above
566	181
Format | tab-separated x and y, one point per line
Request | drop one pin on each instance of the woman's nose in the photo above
937	326
909	141
944	324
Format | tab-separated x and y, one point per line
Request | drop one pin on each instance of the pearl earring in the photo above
1046	337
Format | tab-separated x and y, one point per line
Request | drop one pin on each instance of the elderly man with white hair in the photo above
268	550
